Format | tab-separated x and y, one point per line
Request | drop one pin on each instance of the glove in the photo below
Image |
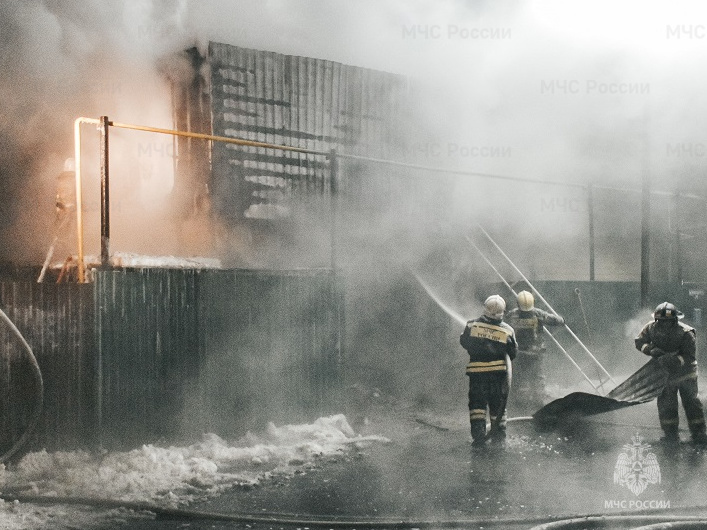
655	351
669	362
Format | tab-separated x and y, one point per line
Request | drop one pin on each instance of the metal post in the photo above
645	215
105	197
645	237
678	242
79	195
590	210
334	191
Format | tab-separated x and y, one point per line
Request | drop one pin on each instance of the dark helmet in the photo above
667	311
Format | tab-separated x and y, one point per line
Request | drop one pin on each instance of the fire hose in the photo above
558	522
38	393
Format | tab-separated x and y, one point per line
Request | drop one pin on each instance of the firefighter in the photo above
528	322
491	344
673	343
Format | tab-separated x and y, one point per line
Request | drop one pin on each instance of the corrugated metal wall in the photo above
57	323
147	329
145	354
214	350
273	340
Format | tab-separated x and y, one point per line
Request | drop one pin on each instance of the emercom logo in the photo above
636	467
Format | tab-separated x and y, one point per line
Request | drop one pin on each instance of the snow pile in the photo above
124	259
127	259
173	475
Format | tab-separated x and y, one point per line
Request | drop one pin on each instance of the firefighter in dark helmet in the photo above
673	343
491	345
529	322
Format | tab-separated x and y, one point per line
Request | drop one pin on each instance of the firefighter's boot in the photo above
498	436
478	433
498	430
671	436
699	438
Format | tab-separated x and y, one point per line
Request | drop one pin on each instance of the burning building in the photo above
319	109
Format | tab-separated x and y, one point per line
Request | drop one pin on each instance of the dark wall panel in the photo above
184	351
57	322
300	102
273	347
147	332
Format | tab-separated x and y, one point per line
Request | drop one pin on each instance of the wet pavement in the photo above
428	475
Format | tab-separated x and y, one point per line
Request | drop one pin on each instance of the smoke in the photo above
588	92
597	93
63	60
571	92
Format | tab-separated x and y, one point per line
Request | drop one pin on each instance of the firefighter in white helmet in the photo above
673	343
491	344
528	322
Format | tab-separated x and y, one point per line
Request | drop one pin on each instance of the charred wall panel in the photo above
57	321
300	102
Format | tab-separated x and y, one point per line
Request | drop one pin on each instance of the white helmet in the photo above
494	307
525	301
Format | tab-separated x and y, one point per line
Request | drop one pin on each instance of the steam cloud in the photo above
598	92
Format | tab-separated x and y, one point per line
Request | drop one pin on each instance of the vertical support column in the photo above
337	283
334	193
645	237
645	210
79	199
590	212
678	242
105	191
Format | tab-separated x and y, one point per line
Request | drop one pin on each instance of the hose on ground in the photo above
611	521
325	521
38	392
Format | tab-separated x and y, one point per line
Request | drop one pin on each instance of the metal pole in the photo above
105	194
645	238
590	210
678	242
334	192
79	199
645	216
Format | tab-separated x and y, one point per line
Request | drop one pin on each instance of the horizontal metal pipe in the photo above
250	143
224	139
265	145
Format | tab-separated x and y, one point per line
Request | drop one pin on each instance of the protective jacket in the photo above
488	341
529	326
676	344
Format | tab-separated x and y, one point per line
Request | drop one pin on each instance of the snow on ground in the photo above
167	476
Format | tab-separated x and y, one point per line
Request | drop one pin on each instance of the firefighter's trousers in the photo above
487	389
668	406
